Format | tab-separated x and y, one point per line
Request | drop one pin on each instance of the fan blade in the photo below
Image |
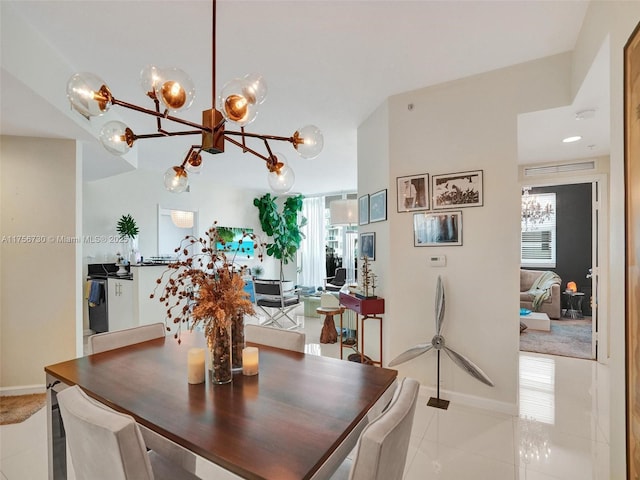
468	366
413	352
439	306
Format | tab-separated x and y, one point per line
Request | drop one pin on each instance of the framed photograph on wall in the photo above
437	229
367	245
378	206
363	210
413	192
455	190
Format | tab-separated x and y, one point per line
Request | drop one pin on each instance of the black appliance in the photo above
97	275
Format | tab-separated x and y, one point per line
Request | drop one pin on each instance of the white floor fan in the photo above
438	343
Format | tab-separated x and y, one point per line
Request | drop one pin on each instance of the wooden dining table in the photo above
297	419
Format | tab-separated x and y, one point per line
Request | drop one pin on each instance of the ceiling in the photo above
329	63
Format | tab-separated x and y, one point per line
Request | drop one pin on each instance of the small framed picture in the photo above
455	190
437	229
378	206
368	245
363	210
413	192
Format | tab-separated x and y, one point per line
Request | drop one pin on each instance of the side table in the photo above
365	309
574	304
329	333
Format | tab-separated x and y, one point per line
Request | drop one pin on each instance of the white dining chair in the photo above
101	342
275	337
381	452
107	445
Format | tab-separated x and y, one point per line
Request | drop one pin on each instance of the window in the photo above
538	230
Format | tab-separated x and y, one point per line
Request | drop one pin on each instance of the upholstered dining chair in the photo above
101	342
274	337
381	452
107	445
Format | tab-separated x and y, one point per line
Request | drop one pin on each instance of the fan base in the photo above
438	403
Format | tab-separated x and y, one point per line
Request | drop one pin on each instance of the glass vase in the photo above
237	341
219	362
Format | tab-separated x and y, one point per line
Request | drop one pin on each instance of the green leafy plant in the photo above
127	227
258	271
283	227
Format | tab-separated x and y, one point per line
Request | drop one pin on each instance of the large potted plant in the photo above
283	227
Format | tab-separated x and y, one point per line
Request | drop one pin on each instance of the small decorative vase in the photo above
219	344
237	341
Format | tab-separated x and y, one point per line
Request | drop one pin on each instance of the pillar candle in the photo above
195	365
250	361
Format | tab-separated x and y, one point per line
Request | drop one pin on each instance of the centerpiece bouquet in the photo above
203	289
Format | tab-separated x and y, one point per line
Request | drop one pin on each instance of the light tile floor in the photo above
560	434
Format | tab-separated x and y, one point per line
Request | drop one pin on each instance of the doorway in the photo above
577	242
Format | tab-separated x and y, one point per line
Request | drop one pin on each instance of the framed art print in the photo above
378	206
413	192
455	190
368	245
437	229
363	210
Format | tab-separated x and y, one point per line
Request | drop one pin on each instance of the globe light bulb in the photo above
194	163
281	181
116	137
256	86
237	102
149	78
88	94
308	141
176	180
175	89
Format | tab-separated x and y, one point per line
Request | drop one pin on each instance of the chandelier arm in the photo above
137	108
246	149
188	156
260	136
168	134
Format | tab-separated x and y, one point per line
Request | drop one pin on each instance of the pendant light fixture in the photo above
171	90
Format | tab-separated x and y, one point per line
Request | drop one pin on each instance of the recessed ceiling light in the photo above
571	139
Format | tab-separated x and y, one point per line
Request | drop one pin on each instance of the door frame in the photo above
599	250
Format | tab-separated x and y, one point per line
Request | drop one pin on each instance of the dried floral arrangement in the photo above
203	286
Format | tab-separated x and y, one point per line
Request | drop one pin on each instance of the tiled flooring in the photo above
561	432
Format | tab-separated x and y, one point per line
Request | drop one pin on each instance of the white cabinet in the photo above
148	310
120	304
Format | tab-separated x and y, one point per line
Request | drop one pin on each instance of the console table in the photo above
364	309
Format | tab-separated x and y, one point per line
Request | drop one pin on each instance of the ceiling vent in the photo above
562	168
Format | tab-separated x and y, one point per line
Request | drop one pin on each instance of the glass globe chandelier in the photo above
172	91
532	213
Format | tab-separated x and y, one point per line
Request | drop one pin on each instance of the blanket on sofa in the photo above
541	288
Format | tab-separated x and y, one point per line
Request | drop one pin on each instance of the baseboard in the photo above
472	401
22	390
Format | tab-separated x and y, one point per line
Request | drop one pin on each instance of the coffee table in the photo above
536	321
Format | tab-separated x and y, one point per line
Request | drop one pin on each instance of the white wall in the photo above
39	287
614	21
465	125
373	176
139	192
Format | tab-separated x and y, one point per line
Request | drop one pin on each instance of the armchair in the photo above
335	283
